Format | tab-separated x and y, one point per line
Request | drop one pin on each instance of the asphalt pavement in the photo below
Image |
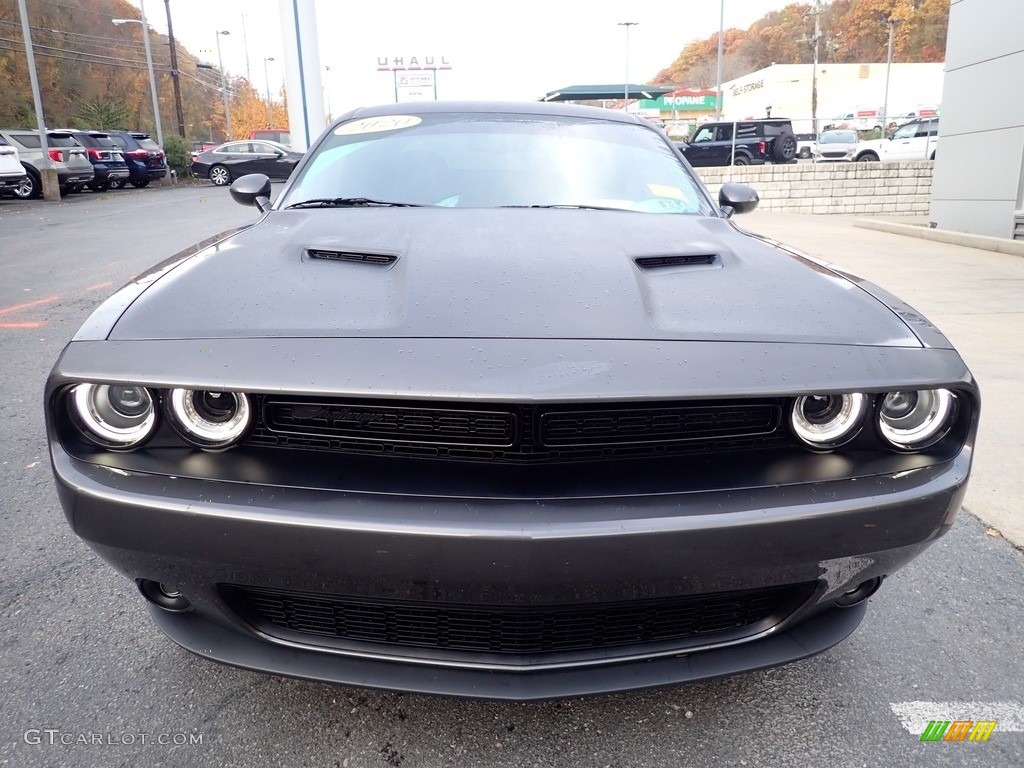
88	680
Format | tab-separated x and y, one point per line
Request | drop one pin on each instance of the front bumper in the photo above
198	535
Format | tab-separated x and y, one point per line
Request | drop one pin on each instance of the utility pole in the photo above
815	41
175	74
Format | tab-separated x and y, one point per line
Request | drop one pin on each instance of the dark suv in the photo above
107	159
744	142
145	159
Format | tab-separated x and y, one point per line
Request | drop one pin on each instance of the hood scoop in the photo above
678	260
358	257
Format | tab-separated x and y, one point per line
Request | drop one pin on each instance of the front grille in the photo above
375	422
334	620
595	427
517	433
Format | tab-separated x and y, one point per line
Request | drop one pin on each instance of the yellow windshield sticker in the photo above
664	190
377	124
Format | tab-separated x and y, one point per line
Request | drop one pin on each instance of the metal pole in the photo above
175	74
721	48
327	93
224	89
814	71
625	85
152	76
888	68
266	79
245	45
48	175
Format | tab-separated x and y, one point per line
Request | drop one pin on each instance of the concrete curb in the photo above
985	243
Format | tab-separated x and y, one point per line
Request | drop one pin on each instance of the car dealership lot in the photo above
79	657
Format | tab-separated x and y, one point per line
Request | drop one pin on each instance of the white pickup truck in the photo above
917	140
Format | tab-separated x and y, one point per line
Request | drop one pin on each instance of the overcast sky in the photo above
498	50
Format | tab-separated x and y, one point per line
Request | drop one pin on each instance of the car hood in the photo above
505	273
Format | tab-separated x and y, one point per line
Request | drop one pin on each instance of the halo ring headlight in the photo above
824	422
113	415
914	419
208	418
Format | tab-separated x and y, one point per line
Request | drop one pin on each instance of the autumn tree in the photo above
852	31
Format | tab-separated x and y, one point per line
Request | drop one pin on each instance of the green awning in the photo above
613	91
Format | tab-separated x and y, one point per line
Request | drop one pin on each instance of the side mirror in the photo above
279	153
252	189
737	198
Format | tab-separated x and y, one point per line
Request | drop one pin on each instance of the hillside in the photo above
851	31
92	73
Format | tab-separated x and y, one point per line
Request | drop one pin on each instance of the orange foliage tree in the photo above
852	31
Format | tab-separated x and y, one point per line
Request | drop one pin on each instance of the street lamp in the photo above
627	25
327	92
149	63
891	23
266	79
224	87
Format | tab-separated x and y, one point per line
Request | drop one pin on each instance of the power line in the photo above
72	58
82	53
69	33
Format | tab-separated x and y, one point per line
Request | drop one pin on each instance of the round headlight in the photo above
827	421
114	415
914	419
210	419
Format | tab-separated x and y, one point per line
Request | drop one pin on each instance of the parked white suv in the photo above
12	173
916	140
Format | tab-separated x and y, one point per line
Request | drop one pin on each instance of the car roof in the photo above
35	132
540	108
749	120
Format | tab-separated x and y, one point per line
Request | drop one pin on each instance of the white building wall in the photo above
842	88
979	169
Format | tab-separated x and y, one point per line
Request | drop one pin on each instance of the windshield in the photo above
838	137
493	160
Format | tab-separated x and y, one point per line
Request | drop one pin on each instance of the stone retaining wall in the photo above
893	189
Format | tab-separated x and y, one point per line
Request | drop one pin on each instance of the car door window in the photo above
704	134
724	133
28	140
264	149
907	131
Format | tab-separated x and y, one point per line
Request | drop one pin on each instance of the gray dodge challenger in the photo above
495	400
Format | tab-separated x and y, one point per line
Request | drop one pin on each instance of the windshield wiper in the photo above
568	205
350	202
